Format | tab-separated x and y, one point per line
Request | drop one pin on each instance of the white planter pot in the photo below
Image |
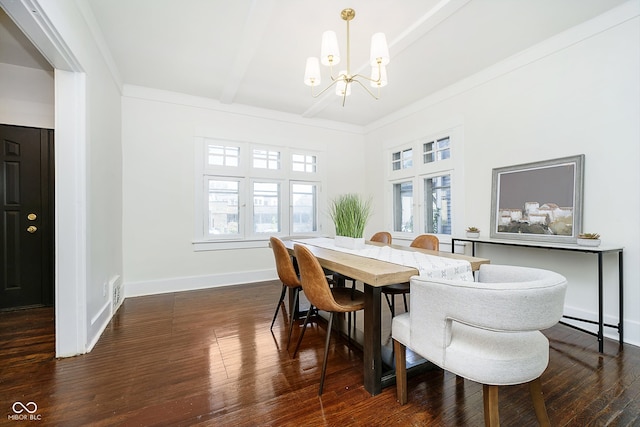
588	242
473	235
349	242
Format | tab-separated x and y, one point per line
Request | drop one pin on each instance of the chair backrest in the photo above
426	241
517	299
314	282
284	264
381	237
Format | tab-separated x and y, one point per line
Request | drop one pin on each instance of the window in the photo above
266	207
246	193
220	155
304	207
421	192
402	159
403	207
436	150
303	163
266	159
223	209
437	196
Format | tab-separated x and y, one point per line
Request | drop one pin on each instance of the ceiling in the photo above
253	52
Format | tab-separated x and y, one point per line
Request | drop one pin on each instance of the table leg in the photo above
600	306
620	299
372	351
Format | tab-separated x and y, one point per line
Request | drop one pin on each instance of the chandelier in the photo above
330	56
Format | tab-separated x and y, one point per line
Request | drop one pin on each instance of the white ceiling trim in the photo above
159	95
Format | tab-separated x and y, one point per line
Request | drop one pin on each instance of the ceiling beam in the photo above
254	30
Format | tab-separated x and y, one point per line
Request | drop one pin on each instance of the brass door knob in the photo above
32	217
32	229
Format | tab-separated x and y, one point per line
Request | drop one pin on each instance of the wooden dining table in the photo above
374	274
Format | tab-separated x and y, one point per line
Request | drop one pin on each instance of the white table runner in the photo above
428	265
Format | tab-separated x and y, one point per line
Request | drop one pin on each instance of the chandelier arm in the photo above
326	88
366	88
367	78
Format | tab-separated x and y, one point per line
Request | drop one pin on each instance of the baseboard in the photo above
179	284
98	324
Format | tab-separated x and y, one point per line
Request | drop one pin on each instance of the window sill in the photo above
219	245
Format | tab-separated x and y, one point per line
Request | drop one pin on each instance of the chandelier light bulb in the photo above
312	72
379	49
329	50
379	81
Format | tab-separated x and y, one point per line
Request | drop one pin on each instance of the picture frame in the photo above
540	201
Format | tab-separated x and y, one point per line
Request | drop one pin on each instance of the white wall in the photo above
577	93
159	130
88	171
26	96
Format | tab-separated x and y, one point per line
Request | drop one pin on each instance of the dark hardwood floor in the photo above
208	358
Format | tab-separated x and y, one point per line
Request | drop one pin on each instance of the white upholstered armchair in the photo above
486	331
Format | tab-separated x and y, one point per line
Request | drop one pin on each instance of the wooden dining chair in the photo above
423	241
323	297
289	278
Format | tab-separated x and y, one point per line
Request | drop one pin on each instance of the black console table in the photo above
598	250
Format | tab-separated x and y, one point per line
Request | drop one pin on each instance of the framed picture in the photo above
538	201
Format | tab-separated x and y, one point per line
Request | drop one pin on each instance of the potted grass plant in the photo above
350	214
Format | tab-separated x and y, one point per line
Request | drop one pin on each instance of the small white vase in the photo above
473	234
588	242
349	242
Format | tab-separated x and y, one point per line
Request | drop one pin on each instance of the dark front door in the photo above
26	195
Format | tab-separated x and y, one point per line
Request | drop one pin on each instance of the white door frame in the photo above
70	175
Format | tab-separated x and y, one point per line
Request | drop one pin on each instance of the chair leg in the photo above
535	390
304	328
406	307
326	353
390	304
490	399
353	289
401	371
284	290
296	293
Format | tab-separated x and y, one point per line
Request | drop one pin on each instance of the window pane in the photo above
395	161
219	155
265	159
303	163
444	150
224	211
304	207
407	159
266	207
437	195
403	207
443	143
428	154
